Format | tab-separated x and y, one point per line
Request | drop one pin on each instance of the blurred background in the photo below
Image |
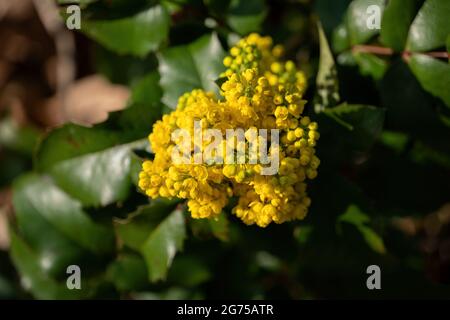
383	192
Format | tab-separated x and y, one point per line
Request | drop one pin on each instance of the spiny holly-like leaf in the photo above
194	66
39	196
160	247
397	18
137	35
32	277
430	28
92	165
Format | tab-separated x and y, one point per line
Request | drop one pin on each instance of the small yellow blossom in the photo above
260	92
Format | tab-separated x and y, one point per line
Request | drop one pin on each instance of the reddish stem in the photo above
383	51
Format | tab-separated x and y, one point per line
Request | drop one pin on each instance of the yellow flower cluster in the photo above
260	92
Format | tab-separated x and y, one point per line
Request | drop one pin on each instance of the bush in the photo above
380	97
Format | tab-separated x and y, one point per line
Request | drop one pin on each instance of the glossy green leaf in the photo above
246	16
89	164
99	178
194	66
448	44
371	65
54	250
340	40
39	196
433	75
137	35
32	277
326	82
396	22
359	20
71	141
430	28
160	247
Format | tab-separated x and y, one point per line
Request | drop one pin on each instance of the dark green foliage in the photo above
384	150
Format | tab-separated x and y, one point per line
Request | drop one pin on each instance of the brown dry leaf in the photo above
5	210
407	225
4	236
16	10
89	100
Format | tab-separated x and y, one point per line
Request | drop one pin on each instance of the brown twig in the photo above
373	49
383	51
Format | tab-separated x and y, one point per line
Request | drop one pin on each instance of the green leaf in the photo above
397	19
246	16
220	227
135	168
371	65
327	82
357	20
134	230
193	66
340	40
160	247
144	107
430	28
363	122
401	94
374	241
448	44
39	196
330	12
433	75
208	228
54	251
303	233
353	215
33	279
89	164
71	141
137	35
394	140
128	273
